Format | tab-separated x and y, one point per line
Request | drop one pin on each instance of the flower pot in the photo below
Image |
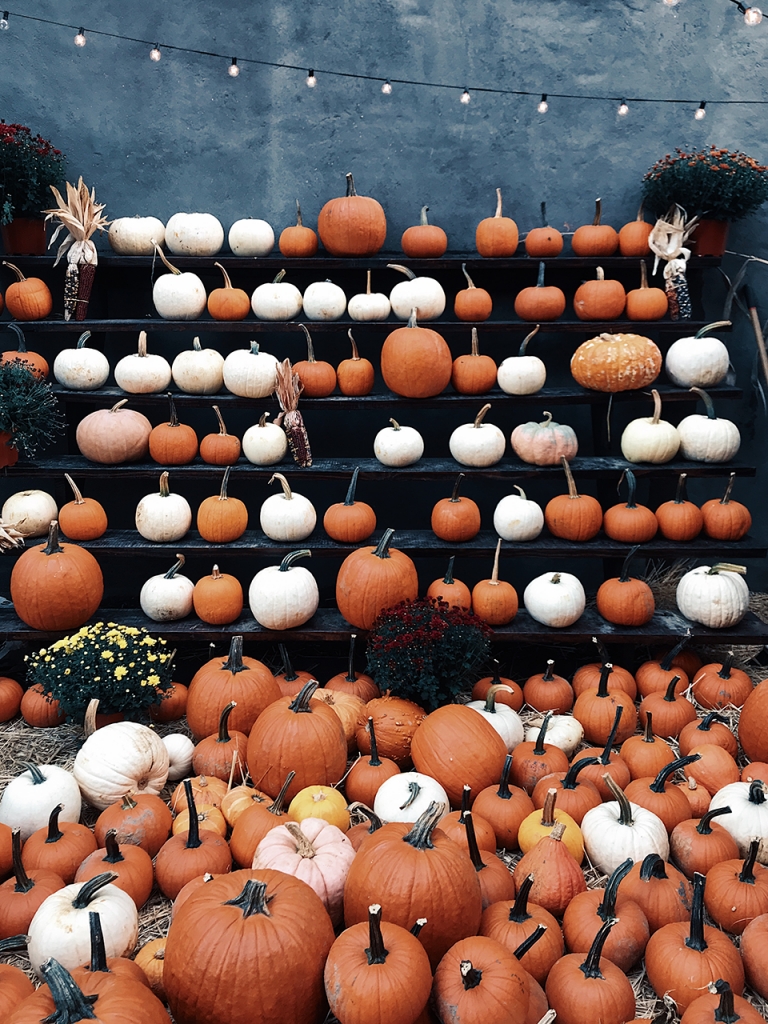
709	237
9	456
24	237
108	717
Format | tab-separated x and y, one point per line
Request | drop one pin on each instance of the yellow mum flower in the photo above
121	671
106	654
153	679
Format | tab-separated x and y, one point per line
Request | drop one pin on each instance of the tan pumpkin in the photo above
616	362
546	443
112	436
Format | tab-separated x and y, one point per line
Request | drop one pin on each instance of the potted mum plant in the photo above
716	184
29	165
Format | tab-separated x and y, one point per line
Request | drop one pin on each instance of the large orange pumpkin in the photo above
497	235
600	299
28	298
416	361
595	239
633	237
616	362
372	579
353	225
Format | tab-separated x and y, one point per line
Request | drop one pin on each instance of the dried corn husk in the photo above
289	387
81	216
10	537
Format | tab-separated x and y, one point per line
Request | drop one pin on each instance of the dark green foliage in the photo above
29	165
29	410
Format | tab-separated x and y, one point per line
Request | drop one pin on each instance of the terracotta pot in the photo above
24	237
108	717
8	455
709	237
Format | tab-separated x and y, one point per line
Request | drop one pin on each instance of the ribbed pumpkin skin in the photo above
753	723
61	590
214	686
124	1002
577	999
222	967
147	824
367	584
416	362
616	362
540	959
458	747
627	941
682	972
753	953
352	226
503	992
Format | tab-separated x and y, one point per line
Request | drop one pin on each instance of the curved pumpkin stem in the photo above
470	282
292	556
310	346
300	704
227	281
530	942
591	966
219	417
481	415
519	910
712	327
413	791
570	780
625	808
420	836
355	353
289	674
68	998
382	548
548	810
178	564
657	786
89	890
375	820
607	908
13	942
666	662
276	807
19	277
708	404
598	212
112	847
669	696
98	949
193	836
474	850
624	576
53	547
725	500
572	492
223	736
704	828
54	832
696	938
161	254
747	873
23	882
538	748
299	221
455	495
606	755
527	338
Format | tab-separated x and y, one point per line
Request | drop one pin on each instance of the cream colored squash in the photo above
181	750
81	368
112	436
501	717
708	438
194	234
517	517
716	596
555	599
619	829
167	597
398	446
251	237
199	371
136	236
177	295
563	731
284	596
324	300
163	516
478	443
287	516
748	819
424	294
265	444
30	512
250	373
141	373
277	300
405	797
28	799
522	374
124	757
700	361
650	438
367	306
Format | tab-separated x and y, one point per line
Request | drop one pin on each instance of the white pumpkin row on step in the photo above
700	438
190	234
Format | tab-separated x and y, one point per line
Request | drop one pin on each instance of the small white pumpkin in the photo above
265	444
30	512
199	371
555	599
194	234
708	438
167	597
178	296
699	361
522	374
120	758
28	800
618	829
277	300
250	372
716	596
81	368
563	731
367	306
517	517
501	717
424	294
650	438
324	300
136	236
284	596
141	373
181	750
405	797
163	516
287	516
398	446
251	237
478	443
748	819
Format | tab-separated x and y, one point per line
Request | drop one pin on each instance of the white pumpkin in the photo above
181	750
30	512
28	800
618	829
748	819
120	758
700	361
265	444
398	446
555	599
167	597
517	517
141	373
81	368
324	300
199	371
407	796
283	596
163	516
61	927
136	236
251	237
250	373
717	596
287	516
277	300
367	306
708	438
522	374
504	720
478	443
424	294
563	731
194	234
650	438
178	296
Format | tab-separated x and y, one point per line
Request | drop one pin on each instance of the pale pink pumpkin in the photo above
546	443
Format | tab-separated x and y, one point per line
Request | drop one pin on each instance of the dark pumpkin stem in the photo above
569	782
350	498
519	909
288	672
375	952
374	760
224	736
276	807
448	578
631	488
98	949
474	850
375	820
669	657
253	899
382	548
725	1012
602	687
466	794
470	977
90	889
696	938
540	278
669	696
618	794
300	705
653	867
706	723
531	941
704	828
648	736
173	419
504	792
657	786
23	882
71	1003
193	837
455	494
607	908
420	836
54	832
294	556
413	791
681	495
549	674
128	803
350	185
591	966
548	810
756	792
725	669
601	650
13	942
624	576
53	547
496	679
726	498
747	874
538	749
416	930
234	662
605	757
351	677
544	215
34	771
112	847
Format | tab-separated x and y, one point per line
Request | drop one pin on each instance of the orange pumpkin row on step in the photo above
721	519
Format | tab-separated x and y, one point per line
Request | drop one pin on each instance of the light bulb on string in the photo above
753	16
4	22
543	106
387	88
465	97
623	109
80	38
154	53
701	113
671	3
311	80
233	70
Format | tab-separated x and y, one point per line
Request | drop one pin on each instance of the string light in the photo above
543	106
701	113
80	38
753	16
233	70
154	53
4	22
387	88
623	109
671	3
465	97
311	80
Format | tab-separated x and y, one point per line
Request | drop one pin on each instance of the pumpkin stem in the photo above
196	346
413	791
625	808
82	339
747	874
607	908
412	319
423	222
304	847
648	736
470	283
416	930
193	836
600	276
375	951
403	270
725	1012
680	495
474	850
530	942
504	792
448	578
520	491
712	327
299	221
355	353
161	254
375	820
234	662
222	427
475	344
490	697
569	782
276	807
89	889
118	405
727	496
656	405
727	567
20	278
53	547
367	292
382	548
253	899
351	677
725	668
278	277
631	488
13	942
591	966
75	490
178	564
310	346
374	760
669	696
224	483
395	424
696	938
224	736
653	867
526	339
292	556
227	281
34	771
540	277
466	792
669	657
548	675
54	832
605	757
498	203
544	215
420	836
164	488
350	185
128	803
624	576
598	212
23	882
643	276
481	415
518	912
538	748
756	792
601	650
98	949
470	976
572	492
602	687
704	828
455	495
142	345
494	580
71	1003
708	404
263	419
548	810
300	704
113	855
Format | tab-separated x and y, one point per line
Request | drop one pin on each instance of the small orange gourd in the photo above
456	519
172	443
573	516
452	591
633	237
630	523
220	449
547	691
350	521
544	241
222	755
83	518
725	519
221	519
28	298
495	600
595	239
355	376
298	241
646	303
472	303
318	378
218	598
680	519
228	303
424	241
626	601
601	299
497	236
473	374
540	302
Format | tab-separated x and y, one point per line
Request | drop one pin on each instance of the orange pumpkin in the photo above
496	236
456	519
630	523
83	518
633	237
298	241
472	303
350	710
373	579
595	239
28	298
356	683
626	601
33	361
495	600
228	303
473	374
725	519
646	303
11	693
222	754
600	299
172	443
355	376
455	593
218	598
39	709
317	377
680	519
541	302
573	516
220	449
353	225
350	521
425	241
9	455
544	241
221	519
416	361
173	706
616	362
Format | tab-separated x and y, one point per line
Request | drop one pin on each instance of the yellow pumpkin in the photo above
616	362
239	799
320	802
539	824
208	816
